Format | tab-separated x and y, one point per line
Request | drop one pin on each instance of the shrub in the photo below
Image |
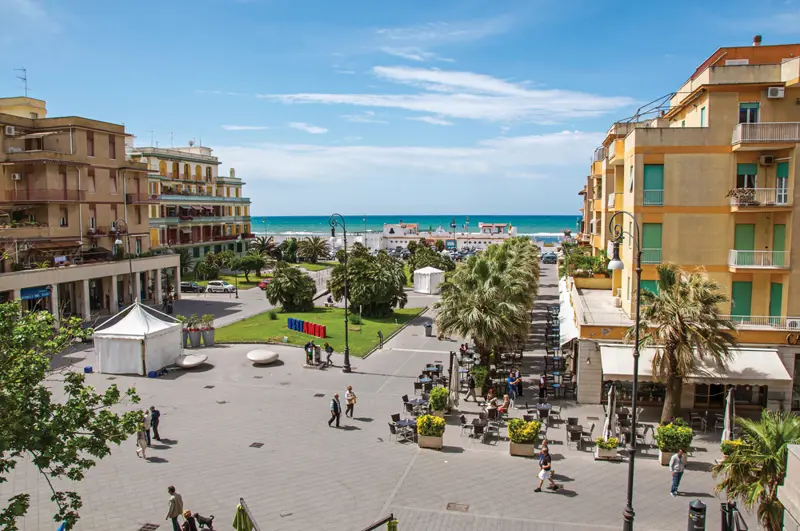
522	432
607	444
673	437
430	426
480	373
438	400
273	315
355	319
729	447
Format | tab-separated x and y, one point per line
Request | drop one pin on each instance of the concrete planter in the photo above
185	338
522	450
429	441
439	414
208	338
194	338
605	453
664	457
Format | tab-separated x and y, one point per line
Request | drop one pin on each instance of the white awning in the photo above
566	315
746	367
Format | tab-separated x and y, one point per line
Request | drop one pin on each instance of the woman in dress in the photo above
350	399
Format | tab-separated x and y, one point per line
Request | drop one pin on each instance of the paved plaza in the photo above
309	476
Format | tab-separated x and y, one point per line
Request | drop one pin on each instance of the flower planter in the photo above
208	338
664	457
194	338
185	338
439	414
429	441
522	450
605	453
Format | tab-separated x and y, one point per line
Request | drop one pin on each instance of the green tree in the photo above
185	260
753	472
374	283
683	323
412	247
206	270
439	245
313	248
265	246
223	259
291	288
427	257
62	438
288	249
249	263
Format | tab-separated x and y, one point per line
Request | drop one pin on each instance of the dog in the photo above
205	521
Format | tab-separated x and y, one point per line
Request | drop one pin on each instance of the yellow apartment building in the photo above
67	196
711	179
193	207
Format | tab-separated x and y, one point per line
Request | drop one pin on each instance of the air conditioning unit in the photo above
10	130
16	176
775	92
793	324
766	160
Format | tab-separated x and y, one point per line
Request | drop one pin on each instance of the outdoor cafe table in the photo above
463	371
432	369
416	402
406	423
425	380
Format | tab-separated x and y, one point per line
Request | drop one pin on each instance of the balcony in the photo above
138	199
615	201
599	154
24	231
45	196
757	259
653	198
764	199
766	133
651	256
757	322
616	152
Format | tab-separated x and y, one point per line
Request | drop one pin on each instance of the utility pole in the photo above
23	77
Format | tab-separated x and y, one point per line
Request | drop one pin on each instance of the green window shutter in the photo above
651	236
650	285
741	298
702	117
747	169
775	299
783	170
755	105
653	176
779	245
744	238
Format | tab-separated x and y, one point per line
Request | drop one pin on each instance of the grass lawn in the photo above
319	266
261	329
254	280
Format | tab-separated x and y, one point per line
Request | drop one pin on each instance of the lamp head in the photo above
333	231
118	242
615	264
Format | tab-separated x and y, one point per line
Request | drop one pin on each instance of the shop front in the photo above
36	298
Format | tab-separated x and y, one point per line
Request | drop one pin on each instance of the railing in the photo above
133	199
174	153
15	149
651	256
45	195
755	197
599	154
760	321
755	259
653	197
765	132
200	198
615	200
99	232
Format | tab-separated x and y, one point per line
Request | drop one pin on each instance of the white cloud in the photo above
308	128
413	53
435	33
470	95
430	120
29	13
244	127
367	117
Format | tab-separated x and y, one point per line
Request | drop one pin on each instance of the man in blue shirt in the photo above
512	387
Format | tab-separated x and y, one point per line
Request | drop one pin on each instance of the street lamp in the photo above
365	232
338	220
616	264
453	226
118	242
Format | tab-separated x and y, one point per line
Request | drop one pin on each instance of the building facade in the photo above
74	223
711	179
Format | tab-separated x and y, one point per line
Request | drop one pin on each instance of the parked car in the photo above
220	286
549	258
192	287
264	283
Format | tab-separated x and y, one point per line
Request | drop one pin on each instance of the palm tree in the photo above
374	283
313	248
264	246
291	288
683	323
185	260
753	472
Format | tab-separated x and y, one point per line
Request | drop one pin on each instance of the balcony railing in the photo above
756	322
759	197
766	132
35	196
615	201
758	259
653	198
651	256
599	154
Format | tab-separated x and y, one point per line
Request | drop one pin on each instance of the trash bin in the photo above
697	516
428	330
317	354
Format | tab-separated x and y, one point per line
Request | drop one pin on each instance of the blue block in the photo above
152	374
290	323
87	369
299	325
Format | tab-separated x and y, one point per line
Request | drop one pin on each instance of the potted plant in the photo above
672	437
207	328
438	401
523	436
430	430
185	339
193	324
606	448
481	375
729	447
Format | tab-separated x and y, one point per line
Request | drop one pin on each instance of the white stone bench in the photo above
191	360
262	357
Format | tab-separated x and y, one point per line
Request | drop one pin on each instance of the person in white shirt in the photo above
147	426
350	400
677	463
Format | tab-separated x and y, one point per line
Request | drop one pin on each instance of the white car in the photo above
220	286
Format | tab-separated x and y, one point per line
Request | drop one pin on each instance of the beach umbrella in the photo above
241	522
608	427
727	423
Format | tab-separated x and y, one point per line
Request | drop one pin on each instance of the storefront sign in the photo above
450	244
29	294
60	259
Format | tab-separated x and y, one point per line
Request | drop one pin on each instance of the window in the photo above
138	215
112	147
112	182
683	123
746	175
208	173
196	252
176	171
748	113
138	246
64	217
90	143
162	168
92	184
653	185
92	224
629	289
702	116
187	173
651	243
630	186
34	116
238	192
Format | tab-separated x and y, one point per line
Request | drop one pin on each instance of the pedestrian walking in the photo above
328	354
175	508
146	421
471	388
512	387
677	463
155	418
542	387
518	382
350	399
545	473
141	443
336	410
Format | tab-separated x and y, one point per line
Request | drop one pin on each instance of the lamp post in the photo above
118	242
365	232
616	264
453	226
338	220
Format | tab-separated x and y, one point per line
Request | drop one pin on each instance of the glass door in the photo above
782	184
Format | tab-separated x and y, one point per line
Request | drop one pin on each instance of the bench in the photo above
262	357
191	360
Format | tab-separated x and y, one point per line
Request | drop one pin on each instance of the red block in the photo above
317	330
322	332
305	327
313	329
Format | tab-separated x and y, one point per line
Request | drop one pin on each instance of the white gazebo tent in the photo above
137	341
427	280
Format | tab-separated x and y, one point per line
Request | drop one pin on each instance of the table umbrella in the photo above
608	427
241	522
727	423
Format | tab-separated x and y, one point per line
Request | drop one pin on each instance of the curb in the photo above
397	331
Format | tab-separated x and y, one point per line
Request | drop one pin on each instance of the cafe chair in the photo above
574	437
478	432
586	436
399	433
556	412
417	387
465	425
395	417
701	420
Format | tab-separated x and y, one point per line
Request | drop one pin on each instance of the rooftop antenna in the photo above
152	138
171	139
23	77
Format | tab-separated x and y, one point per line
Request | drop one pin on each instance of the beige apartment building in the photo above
711	179
74	217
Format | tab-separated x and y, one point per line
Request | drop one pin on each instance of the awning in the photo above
40	292
566	315
746	367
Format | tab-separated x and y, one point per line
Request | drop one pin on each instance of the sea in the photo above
540	228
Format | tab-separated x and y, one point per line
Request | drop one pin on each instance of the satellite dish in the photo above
191	143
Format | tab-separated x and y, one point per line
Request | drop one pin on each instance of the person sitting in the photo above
491	401
309	348
505	405
329	301
463	348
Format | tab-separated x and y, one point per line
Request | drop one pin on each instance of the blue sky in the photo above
380	107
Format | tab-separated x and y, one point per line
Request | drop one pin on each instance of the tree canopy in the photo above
375	283
427	257
313	248
291	288
249	263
